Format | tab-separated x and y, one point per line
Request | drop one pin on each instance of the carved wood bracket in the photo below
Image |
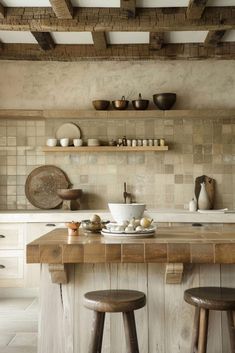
174	273
58	273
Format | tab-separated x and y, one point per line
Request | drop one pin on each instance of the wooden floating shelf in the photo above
116	114
106	149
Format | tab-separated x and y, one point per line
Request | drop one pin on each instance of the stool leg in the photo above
97	332
194	345
130	332
203	330
231	328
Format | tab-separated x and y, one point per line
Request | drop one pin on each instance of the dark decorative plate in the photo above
41	186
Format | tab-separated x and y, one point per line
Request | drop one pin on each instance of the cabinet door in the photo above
11	236
34	231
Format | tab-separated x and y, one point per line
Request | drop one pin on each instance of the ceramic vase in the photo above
203	199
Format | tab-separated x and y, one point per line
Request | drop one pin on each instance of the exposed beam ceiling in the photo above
128	8
156	40
2	11
62	8
117	52
106	20
213	38
44	40
195	9
99	40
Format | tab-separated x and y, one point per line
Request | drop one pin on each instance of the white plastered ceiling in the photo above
113	37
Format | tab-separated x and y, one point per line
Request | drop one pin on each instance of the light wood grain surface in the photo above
176	244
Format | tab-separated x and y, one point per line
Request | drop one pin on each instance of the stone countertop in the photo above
162	215
174	244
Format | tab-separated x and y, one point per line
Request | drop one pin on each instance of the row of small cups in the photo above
143	142
64	142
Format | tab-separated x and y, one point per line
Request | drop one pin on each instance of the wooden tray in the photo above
42	184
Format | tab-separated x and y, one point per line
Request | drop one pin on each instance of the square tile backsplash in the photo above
160	179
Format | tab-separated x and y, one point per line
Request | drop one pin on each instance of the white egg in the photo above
139	229
137	222
95	218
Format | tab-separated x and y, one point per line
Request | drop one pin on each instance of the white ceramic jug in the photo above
203	199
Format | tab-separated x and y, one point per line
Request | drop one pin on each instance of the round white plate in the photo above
128	235
68	130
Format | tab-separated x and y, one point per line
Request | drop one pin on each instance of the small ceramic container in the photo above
51	142
162	142
145	143
150	142
64	142
77	142
156	142
134	143
139	142
128	142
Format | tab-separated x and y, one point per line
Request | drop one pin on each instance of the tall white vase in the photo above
203	199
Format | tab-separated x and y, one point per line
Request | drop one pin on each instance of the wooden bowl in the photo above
164	101
101	104
69	194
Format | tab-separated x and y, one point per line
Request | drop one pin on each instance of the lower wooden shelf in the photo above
106	149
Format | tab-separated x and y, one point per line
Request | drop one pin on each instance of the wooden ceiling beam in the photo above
213	38
99	40
189	51
128	8
107	20
44	39
195	9
62	8
156	40
2	11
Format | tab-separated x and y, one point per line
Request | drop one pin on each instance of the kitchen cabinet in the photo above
12	254
14	272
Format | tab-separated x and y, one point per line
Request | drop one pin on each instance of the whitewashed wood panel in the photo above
210	276
227	280
163	326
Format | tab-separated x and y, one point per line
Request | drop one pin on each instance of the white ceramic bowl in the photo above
64	142
126	211
93	142
77	142
51	142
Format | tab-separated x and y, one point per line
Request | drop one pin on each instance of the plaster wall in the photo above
160	179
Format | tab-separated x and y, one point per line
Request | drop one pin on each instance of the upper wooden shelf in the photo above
106	149
113	114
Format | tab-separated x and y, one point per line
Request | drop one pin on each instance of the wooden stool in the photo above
114	301
205	299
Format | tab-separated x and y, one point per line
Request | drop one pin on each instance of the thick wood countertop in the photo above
176	244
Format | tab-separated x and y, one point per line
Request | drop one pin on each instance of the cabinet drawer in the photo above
11	236
11	264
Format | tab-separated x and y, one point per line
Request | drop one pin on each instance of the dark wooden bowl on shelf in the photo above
100	104
164	101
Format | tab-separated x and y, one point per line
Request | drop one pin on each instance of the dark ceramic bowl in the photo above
164	101
140	104
69	194
101	104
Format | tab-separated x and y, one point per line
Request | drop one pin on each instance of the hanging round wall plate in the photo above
68	130
42	184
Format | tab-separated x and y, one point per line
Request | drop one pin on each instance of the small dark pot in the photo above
140	104
164	101
101	104
120	104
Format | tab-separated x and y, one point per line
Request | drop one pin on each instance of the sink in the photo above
126	211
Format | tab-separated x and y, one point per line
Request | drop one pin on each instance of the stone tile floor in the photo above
18	325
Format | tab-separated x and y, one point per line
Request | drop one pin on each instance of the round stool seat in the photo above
119	300
212	298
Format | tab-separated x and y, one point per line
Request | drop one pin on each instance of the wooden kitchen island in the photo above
177	258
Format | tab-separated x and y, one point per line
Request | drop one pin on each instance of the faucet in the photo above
126	194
